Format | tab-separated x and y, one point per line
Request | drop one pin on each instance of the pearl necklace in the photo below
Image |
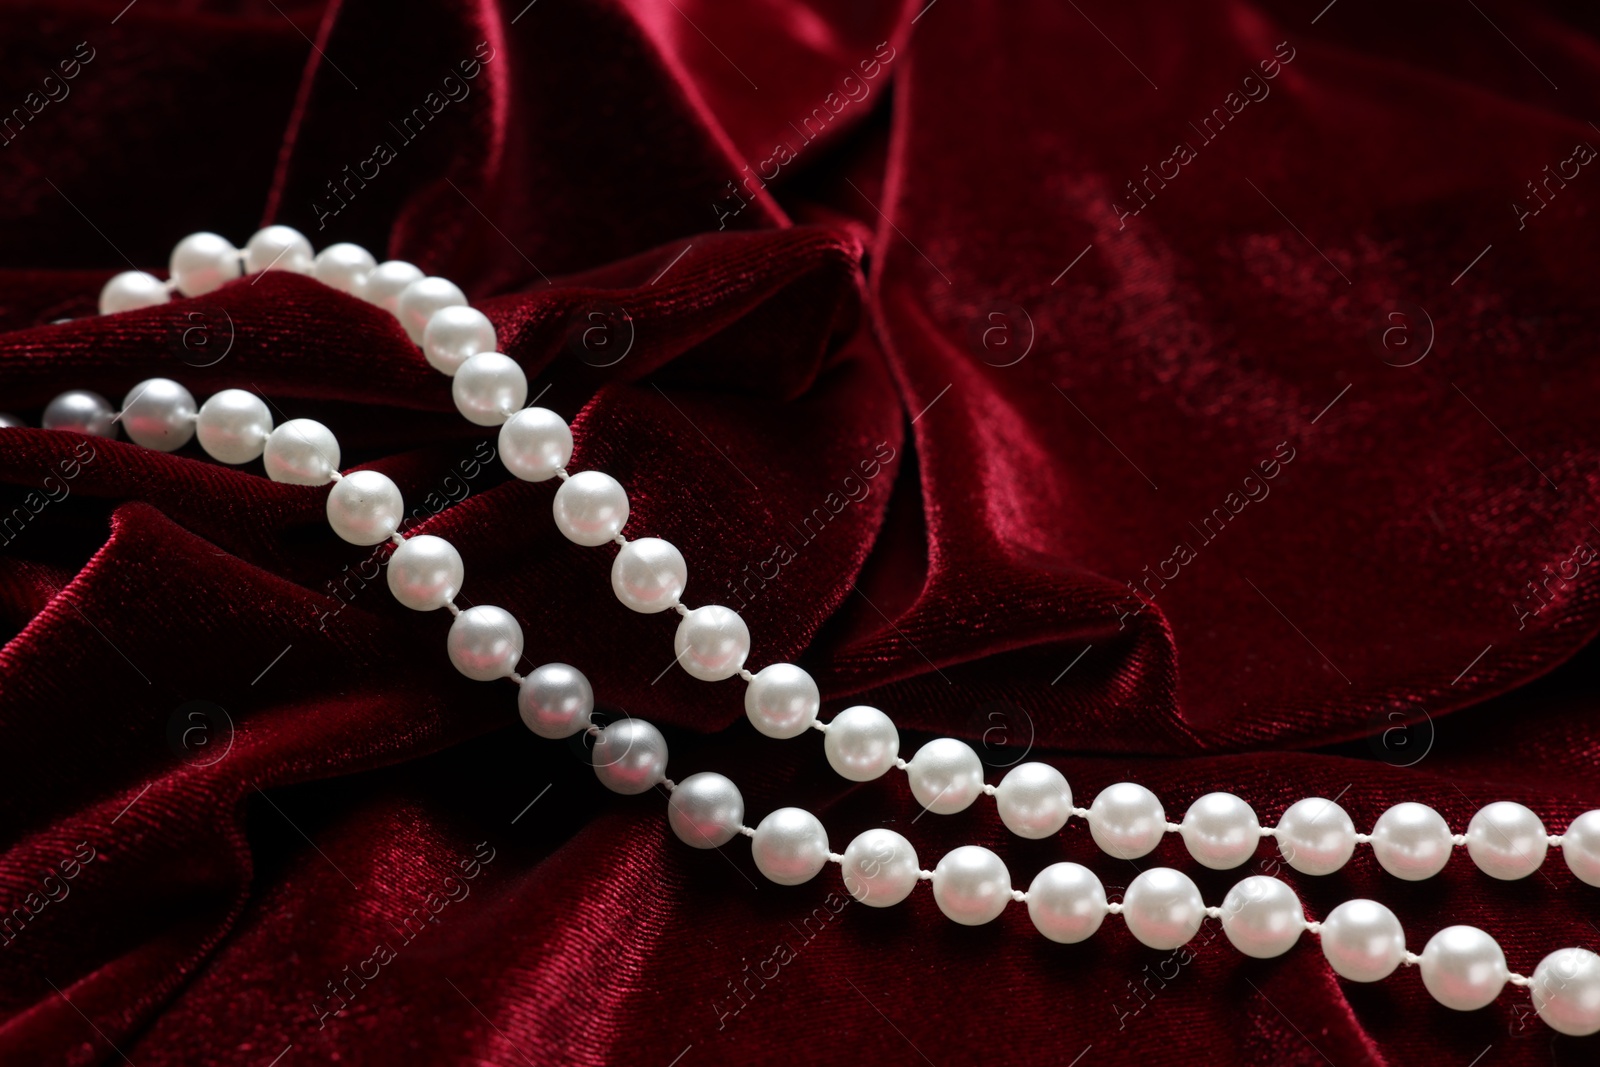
1461	966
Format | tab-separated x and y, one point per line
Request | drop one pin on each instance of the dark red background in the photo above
901	285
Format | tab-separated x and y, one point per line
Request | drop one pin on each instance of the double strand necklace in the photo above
1462	967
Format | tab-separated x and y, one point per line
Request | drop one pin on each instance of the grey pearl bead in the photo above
630	756
706	810
82	411
555	700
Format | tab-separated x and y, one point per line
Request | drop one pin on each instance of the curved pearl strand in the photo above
1461	966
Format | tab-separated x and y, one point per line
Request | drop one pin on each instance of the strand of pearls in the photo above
1410	840
1461	966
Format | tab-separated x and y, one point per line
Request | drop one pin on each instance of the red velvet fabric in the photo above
1268	466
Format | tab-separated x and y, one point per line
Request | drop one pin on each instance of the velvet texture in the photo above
1192	394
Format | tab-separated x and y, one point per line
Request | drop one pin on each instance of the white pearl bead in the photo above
301	452
1316	836
344	267
782	700
1220	831
1034	800
425	572
204	262
454	335
630	756
485	643
971	885
706	810
1580	847
946	776
880	868
1463	968
489	388
535	443
1262	917
159	413
790	846
82	411
861	743
1162	908
590	508
711	642
385	282
1362	941
364	507
1566	991
1067	903
233	426
10	422
1507	841
1412	841
278	248
132	290
649	575
1126	820
419	300
555	701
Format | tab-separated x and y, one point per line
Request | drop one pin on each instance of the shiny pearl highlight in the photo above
204	262
711	642
419	300
278	248
485	643
790	846
649	575
861	743
706	810
1034	800
454	335
301	452
946	776
555	701
1067	903
1220	831
880	868
1507	841
344	267
535	443
159	413
385	281
1580	847
971	885
1316	836
1566	991
590	508
1362	941
132	290
782	701
233	426
1463	968
630	756
1162	908
364	507
82	411
425	572
1126	820
1412	841
489	388
1262	917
